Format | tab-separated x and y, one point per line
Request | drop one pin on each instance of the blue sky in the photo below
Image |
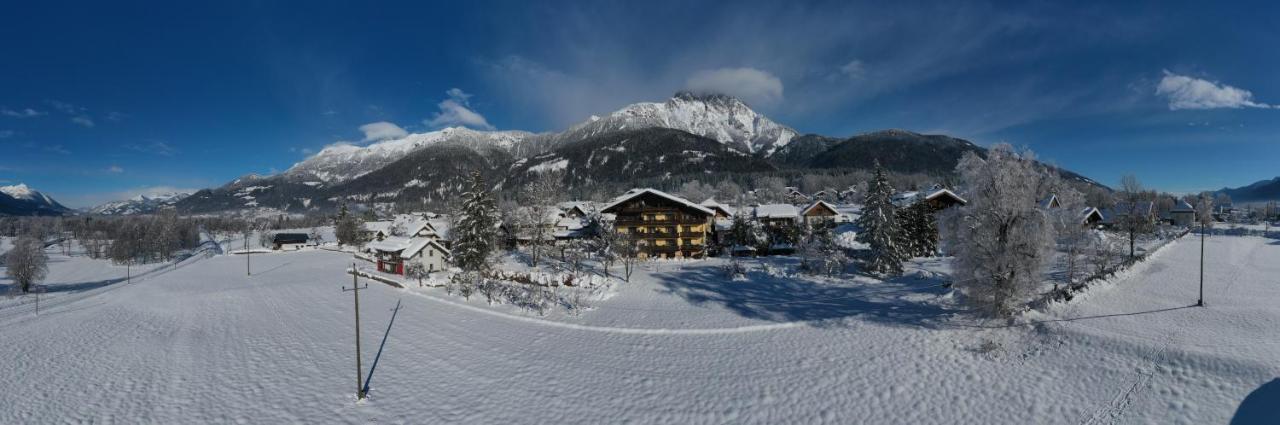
100	100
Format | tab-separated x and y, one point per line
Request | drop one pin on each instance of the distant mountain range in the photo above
22	200
688	134
1264	190
141	204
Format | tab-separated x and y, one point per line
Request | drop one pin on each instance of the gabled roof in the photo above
391	244
1050	202
633	193
1182	206
716	205
420	243
1086	212
777	211
945	193
823	204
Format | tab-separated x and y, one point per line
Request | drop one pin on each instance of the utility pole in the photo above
246	256
1200	303
355	289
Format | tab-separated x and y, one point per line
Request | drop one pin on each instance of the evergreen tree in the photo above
346	227
879	228
920	233
477	227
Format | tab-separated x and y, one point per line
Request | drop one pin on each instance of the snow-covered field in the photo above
202	343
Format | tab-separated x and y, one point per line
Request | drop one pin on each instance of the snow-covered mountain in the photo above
716	116
22	200
344	162
719	117
141	204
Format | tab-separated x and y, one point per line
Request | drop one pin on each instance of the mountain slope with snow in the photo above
141	204
344	162
722	118
1264	190
22	200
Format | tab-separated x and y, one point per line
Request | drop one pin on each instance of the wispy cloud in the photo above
1185	92
58	149
382	130
83	120
749	84
115	169
20	113
5	134
153	147
456	110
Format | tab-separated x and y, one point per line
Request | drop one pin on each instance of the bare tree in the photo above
537	216
26	263
1001	239
628	252
1136	219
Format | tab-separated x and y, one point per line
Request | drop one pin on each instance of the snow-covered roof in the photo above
391	244
1182	206
379	226
420	243
945	192
822	204
439	227
713	204
1089	211
777	211
1048	202
631	194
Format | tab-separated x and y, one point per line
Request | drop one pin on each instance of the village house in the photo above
1090	216
777	215
663	225
1182	214
396	254
289	241
795	196
820	212
938	199
1050	202
1116	214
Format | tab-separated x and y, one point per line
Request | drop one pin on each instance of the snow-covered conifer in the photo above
879	228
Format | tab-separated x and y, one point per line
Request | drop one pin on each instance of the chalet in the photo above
1090	216
663	225
289	241
776	215
722	211
819	212
395	254
377	230
940	199
795	196
1050	202
1182	214
1116	214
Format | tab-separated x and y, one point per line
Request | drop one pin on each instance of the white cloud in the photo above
854	69
1185	92
749	84
382	130
115	169
83	120
20	113
456	111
